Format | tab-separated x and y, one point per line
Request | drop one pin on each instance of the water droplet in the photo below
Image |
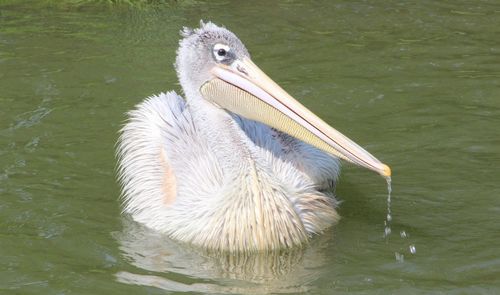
413	250
399	257
388	217
389	192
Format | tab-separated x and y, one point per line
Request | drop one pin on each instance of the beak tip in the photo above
385	171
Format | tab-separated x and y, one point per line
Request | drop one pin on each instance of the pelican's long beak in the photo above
244	89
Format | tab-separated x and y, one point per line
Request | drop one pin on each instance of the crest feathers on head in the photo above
186	32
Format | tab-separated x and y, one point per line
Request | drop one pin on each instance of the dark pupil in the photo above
221	52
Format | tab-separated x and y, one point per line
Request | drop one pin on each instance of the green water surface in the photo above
417	84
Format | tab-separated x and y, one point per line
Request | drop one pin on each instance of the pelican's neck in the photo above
229	143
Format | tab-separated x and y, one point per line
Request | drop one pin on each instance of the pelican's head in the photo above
203	49
213	64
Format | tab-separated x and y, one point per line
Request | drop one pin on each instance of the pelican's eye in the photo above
220	51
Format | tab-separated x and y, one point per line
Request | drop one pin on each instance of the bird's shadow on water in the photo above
166	264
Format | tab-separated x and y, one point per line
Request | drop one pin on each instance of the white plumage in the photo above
269	199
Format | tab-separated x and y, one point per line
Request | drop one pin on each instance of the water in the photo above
388	216
387	224
416	84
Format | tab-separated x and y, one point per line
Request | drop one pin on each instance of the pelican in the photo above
239	165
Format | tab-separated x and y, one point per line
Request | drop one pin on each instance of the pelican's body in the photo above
204	175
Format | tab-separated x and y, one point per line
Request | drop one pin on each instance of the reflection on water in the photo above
279	271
